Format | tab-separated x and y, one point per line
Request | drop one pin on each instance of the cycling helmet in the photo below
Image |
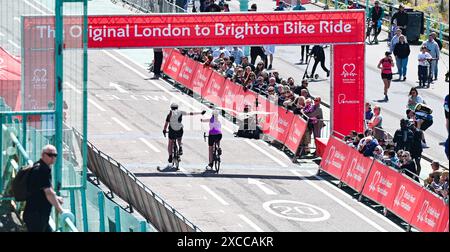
174	105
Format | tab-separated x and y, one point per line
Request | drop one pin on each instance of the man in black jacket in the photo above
416	145
403	137
401	17
319	56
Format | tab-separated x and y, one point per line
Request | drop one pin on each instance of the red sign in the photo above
335	157
430	214
381	184
296	132
172	30
407	197
187	71
215	88
201	78
348	88
277	124
356	169
174	63
321	145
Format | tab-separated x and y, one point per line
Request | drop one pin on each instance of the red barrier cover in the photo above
232	96
186	74
321	145
166	54
408	193
213	91
277	124
174	63
335	156
356	169
381	184
201	79
430	214
296	132
10	72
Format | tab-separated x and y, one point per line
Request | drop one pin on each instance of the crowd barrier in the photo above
124	184
275	121
387	186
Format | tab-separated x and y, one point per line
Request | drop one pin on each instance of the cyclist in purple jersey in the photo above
215	134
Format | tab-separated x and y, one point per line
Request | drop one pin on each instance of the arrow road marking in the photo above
261	186
118	87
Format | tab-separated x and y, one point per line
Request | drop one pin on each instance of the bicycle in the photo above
216	154
370	32
175	155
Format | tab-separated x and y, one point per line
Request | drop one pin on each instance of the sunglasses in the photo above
51	154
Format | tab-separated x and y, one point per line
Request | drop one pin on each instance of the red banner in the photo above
277	123
201	78
187	71
381	184
335	156
174	63
431	213
189	30
214	89
356	169
407	198
296	132
348	88
321	145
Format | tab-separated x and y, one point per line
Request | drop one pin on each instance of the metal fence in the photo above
125	184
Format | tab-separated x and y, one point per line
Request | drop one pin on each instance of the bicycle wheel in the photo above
369	36
176	158
216	160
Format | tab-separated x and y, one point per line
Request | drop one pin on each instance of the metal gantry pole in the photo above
58	92
85	115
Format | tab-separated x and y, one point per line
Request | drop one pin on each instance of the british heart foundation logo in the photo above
349	73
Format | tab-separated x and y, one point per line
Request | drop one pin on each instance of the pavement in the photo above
258	188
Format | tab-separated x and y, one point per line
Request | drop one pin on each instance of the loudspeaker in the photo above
415	26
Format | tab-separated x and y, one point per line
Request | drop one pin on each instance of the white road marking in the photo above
118	87
222	201
261	186
17	19
181	100
2	35
73	87
14	44
133	97
34	7
251	223
340	202
185	172
361	204
145	98
266	153
121	124
151	146
43	6
96	105
115	97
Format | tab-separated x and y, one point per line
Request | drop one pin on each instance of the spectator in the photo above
158	58
256	51
237	53
424	62
246	64
226	7
392	159
403	137
259	68
269	50
414	98
281	6
401	52
370	146
376	13
253	7
416	145
299	6
271	95
395	39
42	197
437	40
316	118
378	153
352	5
401	18
213	7
446	112
433	49
368	113
220	52
434	175
385	65
377	119
423	116
319	57
409	167
300	105
277	76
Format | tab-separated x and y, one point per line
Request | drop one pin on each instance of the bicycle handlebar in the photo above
204	136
